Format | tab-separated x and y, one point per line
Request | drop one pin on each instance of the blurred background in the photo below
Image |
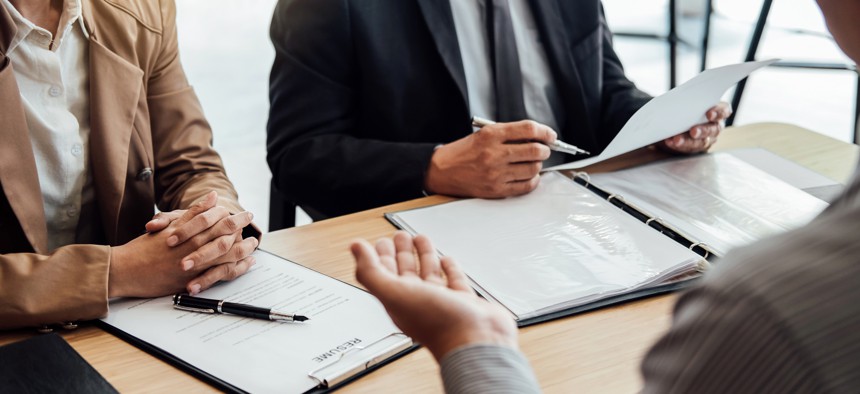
227	55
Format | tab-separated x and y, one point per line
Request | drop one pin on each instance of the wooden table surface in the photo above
595	351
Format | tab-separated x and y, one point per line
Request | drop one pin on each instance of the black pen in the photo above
189	303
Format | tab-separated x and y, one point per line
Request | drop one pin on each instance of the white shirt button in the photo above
72	212
54	91
77	149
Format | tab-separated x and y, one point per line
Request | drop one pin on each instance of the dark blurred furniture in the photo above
282	212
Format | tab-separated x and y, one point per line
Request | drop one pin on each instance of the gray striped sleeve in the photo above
727	343
779	316
487	369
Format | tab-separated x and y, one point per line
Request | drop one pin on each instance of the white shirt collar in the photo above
72	11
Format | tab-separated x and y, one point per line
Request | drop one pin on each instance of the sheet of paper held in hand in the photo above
264	356
673	112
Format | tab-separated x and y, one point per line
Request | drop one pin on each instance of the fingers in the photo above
385	250
431	269
406	264
226	248
702	136
525	131
527	152
519	188
685	144
523	171
216	243
508	185
163	219
199	207
204	221
226	225
705	130
719	112
221	272
698	139
369	270
457	280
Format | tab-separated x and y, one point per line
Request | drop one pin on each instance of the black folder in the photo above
47	364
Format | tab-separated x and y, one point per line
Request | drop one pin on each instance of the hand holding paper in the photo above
672	113
701	136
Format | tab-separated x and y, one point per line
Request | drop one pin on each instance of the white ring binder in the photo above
654	219
704	247
584	176
663	229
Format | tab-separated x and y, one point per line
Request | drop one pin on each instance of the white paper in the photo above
716	199
263	356
559	246
673	112
786	170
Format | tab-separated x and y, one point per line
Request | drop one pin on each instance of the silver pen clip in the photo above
190	309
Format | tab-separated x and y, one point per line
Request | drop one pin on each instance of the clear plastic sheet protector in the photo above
716	199
558	247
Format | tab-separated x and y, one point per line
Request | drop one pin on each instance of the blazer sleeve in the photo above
620	98
316	152
487	369
187	167
69	285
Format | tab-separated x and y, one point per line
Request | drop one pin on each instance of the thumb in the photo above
161	220
369	270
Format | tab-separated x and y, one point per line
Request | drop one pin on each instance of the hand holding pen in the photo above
189	303
557	145
497	161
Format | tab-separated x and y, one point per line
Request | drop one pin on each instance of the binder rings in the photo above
718	200
578	244
348	335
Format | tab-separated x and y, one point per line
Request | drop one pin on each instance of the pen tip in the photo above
300	318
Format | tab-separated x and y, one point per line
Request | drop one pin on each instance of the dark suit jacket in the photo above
363	90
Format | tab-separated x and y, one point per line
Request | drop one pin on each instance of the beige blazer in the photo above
150	145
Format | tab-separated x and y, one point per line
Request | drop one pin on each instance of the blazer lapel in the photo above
440	22
115	92
18	174
7	32
554	34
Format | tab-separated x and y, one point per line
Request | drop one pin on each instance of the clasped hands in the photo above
183	250
505	159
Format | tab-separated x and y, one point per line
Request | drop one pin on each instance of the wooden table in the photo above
596	351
